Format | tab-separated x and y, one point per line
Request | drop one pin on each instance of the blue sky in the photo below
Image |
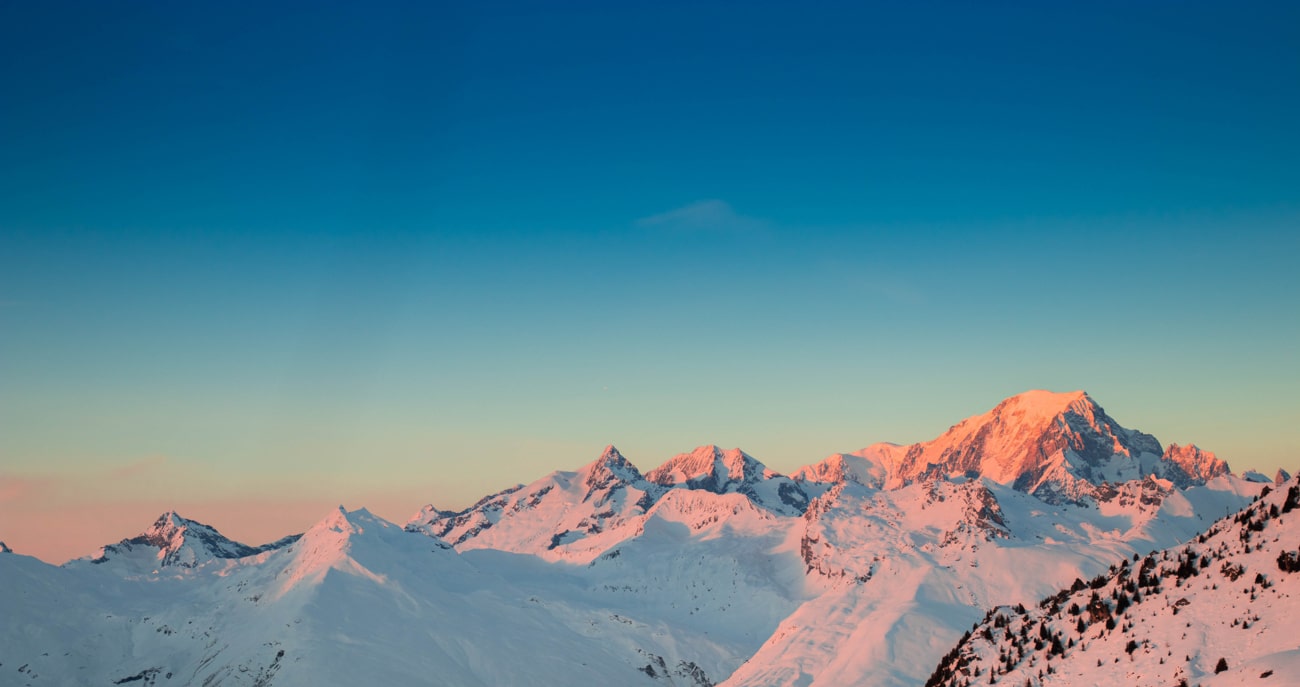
416	252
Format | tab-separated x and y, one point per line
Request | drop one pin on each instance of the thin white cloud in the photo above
137	467
710	215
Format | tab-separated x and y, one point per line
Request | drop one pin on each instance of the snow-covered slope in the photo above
710	569
870	466
1217	610
575	516
359	600
564	516
906	571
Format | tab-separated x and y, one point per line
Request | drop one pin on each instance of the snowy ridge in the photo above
1217	610
564	516
177	542
709	570
577	515
870	466
712	469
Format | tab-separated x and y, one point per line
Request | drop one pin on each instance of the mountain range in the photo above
711	569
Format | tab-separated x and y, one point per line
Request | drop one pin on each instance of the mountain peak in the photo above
1038	405
707	463
168	525
1054	445
341	520
4	548
1190	464
174	540
610	467
833	470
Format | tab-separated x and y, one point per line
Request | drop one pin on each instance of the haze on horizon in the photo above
257	262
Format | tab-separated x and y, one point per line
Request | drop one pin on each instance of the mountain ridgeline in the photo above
1060	447
711	569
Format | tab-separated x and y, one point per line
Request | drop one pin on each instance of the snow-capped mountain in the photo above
1217	610
711	569
564	515
870	466
1057	446
577	515
712	469
174	541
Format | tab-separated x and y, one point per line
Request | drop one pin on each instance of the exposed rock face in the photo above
175	541
1187	465
1060	447
609	470
561	515
712	469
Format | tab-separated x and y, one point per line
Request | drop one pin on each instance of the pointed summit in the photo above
176	541
609	468
4	548
350	542
1278	479
1058	446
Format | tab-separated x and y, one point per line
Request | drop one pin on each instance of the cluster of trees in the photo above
1129	585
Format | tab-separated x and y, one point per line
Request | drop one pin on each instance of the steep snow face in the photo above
572	516
712	469
1217	610
344	541
175	542
870	467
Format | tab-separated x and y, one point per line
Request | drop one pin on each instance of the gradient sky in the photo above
257	261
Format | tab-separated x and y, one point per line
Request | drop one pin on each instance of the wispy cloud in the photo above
711	215
138	467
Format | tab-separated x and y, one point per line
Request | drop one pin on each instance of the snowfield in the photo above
867	568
